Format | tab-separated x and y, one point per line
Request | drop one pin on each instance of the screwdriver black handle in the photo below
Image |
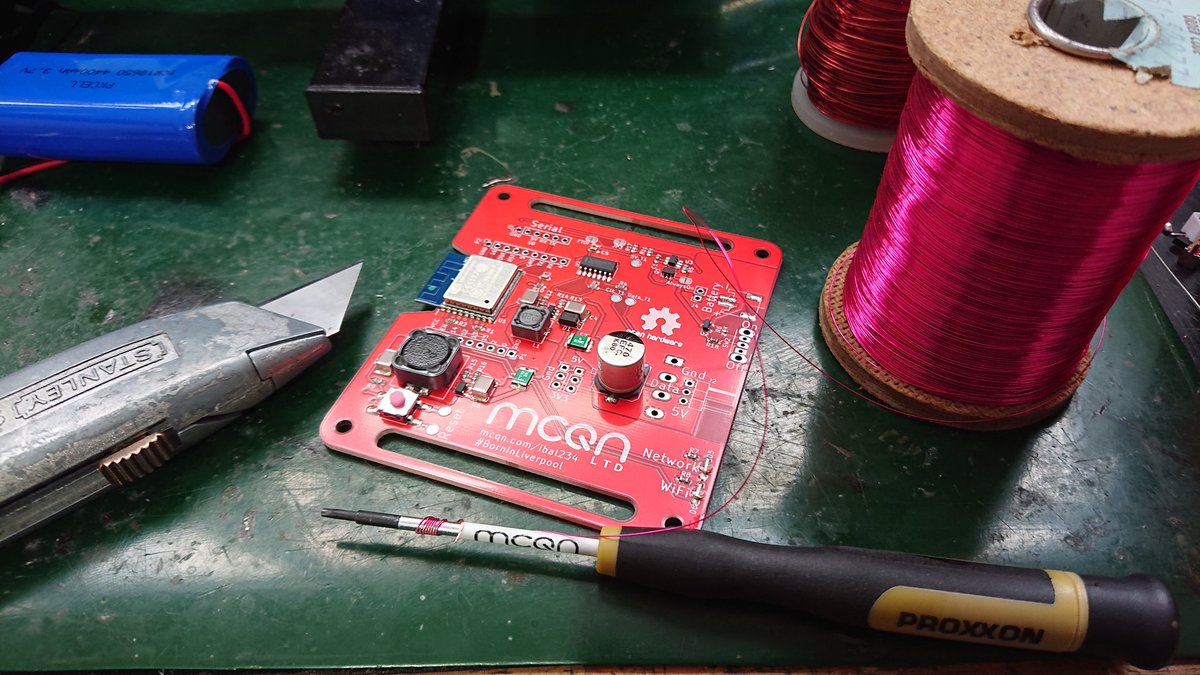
1132	618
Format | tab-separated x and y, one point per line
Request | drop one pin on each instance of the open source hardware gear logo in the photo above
669	321
607	360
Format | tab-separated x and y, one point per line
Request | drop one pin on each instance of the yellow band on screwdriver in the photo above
1060	626
606	554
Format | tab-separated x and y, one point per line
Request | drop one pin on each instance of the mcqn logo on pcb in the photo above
579	436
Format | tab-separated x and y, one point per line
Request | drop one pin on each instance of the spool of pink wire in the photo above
854	71
1017	202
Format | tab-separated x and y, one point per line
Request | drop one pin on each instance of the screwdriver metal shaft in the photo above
463	530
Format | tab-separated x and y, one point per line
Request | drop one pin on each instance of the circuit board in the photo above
600	358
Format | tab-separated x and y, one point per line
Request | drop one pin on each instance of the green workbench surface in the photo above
222	560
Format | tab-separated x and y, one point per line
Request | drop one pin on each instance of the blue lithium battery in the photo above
122	107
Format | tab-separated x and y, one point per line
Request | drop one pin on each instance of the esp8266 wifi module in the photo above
605	359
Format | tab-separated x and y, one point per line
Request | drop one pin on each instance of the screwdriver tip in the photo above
340	514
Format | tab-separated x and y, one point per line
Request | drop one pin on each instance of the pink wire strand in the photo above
237	103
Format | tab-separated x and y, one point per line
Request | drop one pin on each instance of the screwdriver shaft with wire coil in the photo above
1132	618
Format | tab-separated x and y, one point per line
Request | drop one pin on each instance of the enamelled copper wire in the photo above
988	262
855	60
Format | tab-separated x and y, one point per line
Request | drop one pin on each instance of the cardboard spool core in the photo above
881	384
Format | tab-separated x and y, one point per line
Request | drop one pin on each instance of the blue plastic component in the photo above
122	107
434	292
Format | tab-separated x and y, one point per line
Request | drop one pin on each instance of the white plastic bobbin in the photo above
859	138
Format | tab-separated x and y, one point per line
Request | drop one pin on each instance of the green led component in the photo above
580	342
523	377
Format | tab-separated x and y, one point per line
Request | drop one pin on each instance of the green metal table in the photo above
223	561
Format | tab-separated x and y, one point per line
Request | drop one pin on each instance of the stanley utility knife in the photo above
107	412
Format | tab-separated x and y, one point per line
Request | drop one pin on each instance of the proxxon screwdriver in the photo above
1132	618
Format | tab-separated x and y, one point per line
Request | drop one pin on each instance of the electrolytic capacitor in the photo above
622	370
122	107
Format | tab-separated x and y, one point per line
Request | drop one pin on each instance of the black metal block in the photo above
372	84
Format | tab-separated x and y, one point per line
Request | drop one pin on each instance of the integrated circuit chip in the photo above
591	266
481	287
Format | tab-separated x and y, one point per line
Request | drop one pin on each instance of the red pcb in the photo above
606	359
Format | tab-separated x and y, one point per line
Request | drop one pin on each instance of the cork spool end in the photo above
909	399
985	56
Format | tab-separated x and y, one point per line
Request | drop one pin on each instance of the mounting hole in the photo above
673	521
762	253
503	196
343	426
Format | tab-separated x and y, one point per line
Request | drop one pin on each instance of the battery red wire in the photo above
855	60
33	168
237	103
243	115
